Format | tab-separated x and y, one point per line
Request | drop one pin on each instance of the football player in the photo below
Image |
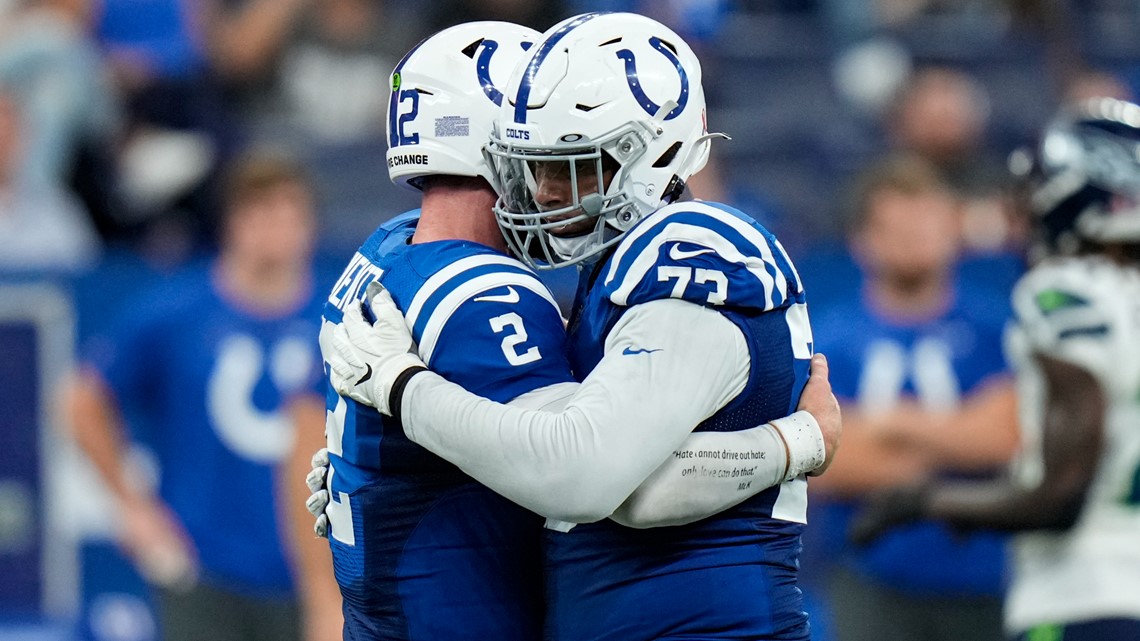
412	535
1075	340
688	314
422	551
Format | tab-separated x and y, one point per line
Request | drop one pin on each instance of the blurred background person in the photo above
916	362
51	64
307	71
177	130
1074	490
942	114
208	372
313	77
42	226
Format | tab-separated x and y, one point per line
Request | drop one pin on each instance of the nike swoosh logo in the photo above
676	253
510	298
629	351
367	374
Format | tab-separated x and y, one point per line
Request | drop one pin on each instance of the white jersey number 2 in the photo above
512	340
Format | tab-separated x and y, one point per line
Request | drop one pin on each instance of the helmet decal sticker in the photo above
635	85
483	69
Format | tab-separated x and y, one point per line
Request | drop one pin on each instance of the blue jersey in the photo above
421	551
202	382
732	575
876	361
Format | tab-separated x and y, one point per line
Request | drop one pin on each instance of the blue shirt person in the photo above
203	370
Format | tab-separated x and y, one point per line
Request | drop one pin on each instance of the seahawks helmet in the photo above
611	103
1085	186
445	96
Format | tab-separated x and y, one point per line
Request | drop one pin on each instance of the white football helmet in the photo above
611	99
445	97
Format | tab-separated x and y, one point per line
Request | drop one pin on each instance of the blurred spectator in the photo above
916	362
1092	83
48	60
311	71
218	373
854	20
42	227
177	131
941	114
313	76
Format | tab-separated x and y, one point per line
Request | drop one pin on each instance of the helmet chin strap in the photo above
574	247
569	248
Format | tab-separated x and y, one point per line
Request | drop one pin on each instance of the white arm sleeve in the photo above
685	362
713	471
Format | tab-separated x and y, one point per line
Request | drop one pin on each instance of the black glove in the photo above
887	509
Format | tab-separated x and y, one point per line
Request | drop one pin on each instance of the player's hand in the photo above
888	509
319	499
818	399
370	361
157	543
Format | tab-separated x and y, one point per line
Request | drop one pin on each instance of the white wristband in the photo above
804	439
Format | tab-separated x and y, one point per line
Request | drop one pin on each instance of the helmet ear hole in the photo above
666	158
674	189
470	49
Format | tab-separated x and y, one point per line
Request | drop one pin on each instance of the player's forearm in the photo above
581	463
981	435
1004	506
242	43
710	473
713	471
320	596
546	462
852	473
97	428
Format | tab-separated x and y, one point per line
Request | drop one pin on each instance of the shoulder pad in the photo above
706	253
1084	311
1067	298
396	230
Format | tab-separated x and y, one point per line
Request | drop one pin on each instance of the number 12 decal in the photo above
405	118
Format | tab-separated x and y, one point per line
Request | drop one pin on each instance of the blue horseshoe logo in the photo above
483	70
635	85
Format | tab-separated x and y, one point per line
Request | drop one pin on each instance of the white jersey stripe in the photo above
752	235
444	275
774	290
630	240
791	503
791	265
439	315
674	232
800	330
